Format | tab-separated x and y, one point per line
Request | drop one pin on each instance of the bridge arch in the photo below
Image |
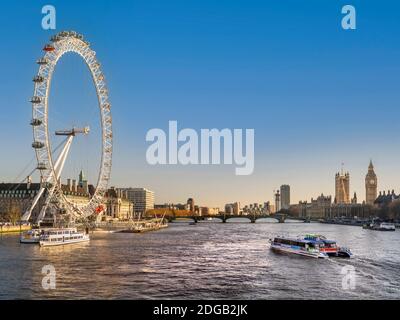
232	218
267	220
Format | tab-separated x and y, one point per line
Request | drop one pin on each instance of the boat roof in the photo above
305	240
296	239
328	241
318	237
59	229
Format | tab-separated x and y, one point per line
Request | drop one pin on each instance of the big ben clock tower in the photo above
371	185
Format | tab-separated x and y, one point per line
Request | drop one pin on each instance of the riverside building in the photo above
142	198
285	196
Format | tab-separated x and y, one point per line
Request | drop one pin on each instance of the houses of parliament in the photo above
342	187
343	204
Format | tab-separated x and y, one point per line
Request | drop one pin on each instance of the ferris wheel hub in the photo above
73	131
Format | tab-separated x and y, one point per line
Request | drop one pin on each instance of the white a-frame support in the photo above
58	167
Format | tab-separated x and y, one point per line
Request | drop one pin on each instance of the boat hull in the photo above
29	241
63	243
313	246
284	249
378	229
344	254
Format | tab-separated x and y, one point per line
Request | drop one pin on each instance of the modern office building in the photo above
233	208
236	208
190	204
285	196
142	198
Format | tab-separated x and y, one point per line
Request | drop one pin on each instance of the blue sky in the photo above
315	94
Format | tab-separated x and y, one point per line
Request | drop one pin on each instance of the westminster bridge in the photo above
280	217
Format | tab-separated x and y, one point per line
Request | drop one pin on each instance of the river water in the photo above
210	260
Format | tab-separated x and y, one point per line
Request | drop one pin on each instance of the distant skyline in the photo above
315	94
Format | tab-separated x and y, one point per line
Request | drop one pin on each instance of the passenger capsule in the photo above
37	145
36	99
42	61
36	122
37	79
48	48
41	166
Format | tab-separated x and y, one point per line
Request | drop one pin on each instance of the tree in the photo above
14	213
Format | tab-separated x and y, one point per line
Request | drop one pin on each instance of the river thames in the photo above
209	260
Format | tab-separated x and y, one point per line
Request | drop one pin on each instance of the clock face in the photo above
372	181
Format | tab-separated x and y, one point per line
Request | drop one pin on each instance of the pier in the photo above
133	226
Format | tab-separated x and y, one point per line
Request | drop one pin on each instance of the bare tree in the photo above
14	213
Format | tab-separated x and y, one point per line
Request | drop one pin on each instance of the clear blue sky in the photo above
315	94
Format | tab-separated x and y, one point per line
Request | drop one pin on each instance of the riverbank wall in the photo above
13	229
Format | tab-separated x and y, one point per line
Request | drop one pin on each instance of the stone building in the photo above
17	198
371	185
118	206
316	209
277	196
205	211
352	211
323	208
384	199
342	187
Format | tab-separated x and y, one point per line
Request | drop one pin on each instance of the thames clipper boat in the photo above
314	246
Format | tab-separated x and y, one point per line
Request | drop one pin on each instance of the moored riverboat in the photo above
30	236
380	226
62	236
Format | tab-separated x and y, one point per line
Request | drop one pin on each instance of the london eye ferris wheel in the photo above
48	165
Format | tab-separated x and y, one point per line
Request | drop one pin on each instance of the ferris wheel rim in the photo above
63	43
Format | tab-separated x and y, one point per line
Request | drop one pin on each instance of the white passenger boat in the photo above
301	247
380	226
62	236
311	245
30	236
